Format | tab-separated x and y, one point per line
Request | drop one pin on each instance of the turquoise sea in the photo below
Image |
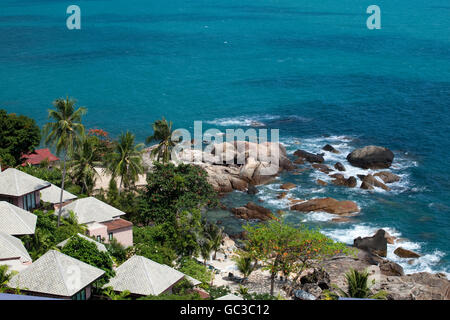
309	68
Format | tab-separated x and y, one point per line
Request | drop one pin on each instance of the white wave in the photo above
242	120
317	216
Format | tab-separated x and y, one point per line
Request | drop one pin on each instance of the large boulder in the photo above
377	244
329	205
371	157
405	253
339	166
252	211
310	157
389	268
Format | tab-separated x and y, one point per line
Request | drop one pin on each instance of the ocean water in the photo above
309	68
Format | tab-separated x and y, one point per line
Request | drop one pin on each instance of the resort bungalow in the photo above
57	275
143	277
39	156
100	246
13	253
21	189
104	222
16	221
52	195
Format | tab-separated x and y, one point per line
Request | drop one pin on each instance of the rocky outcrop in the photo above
387	177
349	183
377	244
371	157
370	181
339	166
322	168
252	211
310	157
299	161
330	148
251	189
321	182
405	253
329	205
389	268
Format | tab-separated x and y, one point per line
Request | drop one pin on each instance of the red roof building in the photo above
38	156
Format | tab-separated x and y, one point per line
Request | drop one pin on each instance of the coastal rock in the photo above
387	177
367	186
252	211
299	161
330	148
310	157
349	183
238	184
251	189
295	201
389	268
371	180
281	195
287	186
322	168
329	205
321	182
371	157
339	166
405	253
377	244
337	176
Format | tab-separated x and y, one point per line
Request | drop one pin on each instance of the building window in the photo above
81	295
99	238
110	236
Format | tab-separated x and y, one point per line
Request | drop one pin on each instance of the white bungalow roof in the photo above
17	183
230	297
90	209
56	274
100	246
143	276
16	221
12	248
53	194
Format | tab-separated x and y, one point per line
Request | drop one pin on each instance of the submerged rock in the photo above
321	182
310	157
339	166
374	182
288	186
371	157
252	211
349	183
252	189
330	148
329	205
322	168
387	177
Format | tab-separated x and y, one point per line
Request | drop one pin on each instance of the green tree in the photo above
162	132
280	247
215	236
205	250
64	132
112	295
196	270
18	135
245	265
88	252
126	160
5	277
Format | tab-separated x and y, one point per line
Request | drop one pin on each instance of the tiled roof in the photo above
100	246
16	221
17	183
38	156
117	224
90	209
56	274
144	277
53	193
12	248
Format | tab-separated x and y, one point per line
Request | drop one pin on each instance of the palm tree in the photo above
245	265
5	277
162	132
83	164
205	250
126	160
64	132
215	236
358	286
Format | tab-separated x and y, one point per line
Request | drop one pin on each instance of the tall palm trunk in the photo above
120	185
62	189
